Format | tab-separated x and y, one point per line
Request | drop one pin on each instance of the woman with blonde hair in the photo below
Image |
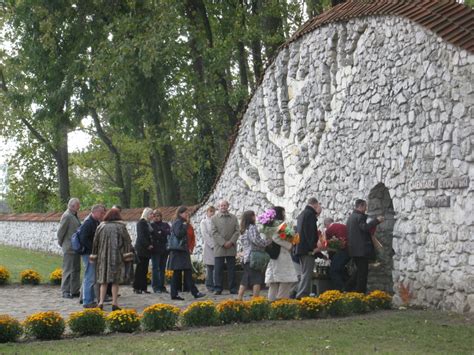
143	247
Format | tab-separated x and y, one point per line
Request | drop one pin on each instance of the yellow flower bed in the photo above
379	300
231	311
30	277
202	313
89	321
10	329
259	308
356	302
160	317
311	307
284	309
123	321
45	325
4	275
56	276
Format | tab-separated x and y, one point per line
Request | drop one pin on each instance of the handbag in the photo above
273	250
176	244
259	260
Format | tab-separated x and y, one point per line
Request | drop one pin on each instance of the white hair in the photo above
72	202
146	213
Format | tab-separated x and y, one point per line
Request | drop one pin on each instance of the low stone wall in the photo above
39	236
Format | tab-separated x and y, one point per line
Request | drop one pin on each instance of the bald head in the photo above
223	206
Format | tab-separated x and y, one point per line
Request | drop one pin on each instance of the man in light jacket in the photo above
225	232
71	280
208	253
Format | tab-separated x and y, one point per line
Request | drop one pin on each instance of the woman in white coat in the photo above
208	253
280	275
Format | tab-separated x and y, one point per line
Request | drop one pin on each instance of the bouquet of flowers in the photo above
287	232
267	222
335	244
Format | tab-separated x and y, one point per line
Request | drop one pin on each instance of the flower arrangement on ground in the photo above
199	273
30	277
56	276
4	275
10	329
201	313
334	303
232	311
168	275
284	309
311	308
160	317
379	300
87	322
356	302
148	277
45	325
123	321
259	308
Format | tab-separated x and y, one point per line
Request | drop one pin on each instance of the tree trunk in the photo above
256	45
62	162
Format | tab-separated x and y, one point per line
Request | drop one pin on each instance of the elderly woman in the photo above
281	274
143	248
111	251
251	242
180	258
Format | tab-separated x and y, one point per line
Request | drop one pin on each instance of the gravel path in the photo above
20	301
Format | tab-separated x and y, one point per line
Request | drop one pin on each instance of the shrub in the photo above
334	303
45	325
201	313
284	309
231	311
160	317
87	322
123	321
259	308
379	300
355	302
310	308
56	276
10	329
4	275
30	277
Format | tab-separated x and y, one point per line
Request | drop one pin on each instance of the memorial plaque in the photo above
438	201
454	183
423	184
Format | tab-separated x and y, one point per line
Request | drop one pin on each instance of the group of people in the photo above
108	254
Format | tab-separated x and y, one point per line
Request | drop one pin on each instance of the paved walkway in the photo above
20	301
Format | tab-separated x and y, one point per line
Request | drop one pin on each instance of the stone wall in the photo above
374	100
38	235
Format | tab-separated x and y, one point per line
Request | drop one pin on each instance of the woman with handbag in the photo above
143	248
255	258
180	259
281	274
112	252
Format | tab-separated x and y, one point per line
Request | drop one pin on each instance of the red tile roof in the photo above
131	214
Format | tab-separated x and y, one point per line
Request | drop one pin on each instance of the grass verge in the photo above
411	331
18	259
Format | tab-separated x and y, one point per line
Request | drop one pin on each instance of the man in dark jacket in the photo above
361	248
305	250
86	238
159	254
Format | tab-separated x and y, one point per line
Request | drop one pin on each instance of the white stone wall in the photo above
357	103
38	235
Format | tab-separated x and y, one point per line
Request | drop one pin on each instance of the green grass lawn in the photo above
412	331
17	260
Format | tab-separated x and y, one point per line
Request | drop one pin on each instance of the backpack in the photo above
76	242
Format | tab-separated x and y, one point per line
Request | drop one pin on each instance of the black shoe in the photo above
81	301
233	292
115	308
157	291
199	295
177	298
218	293
76	295
138	292
67	295
164	290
